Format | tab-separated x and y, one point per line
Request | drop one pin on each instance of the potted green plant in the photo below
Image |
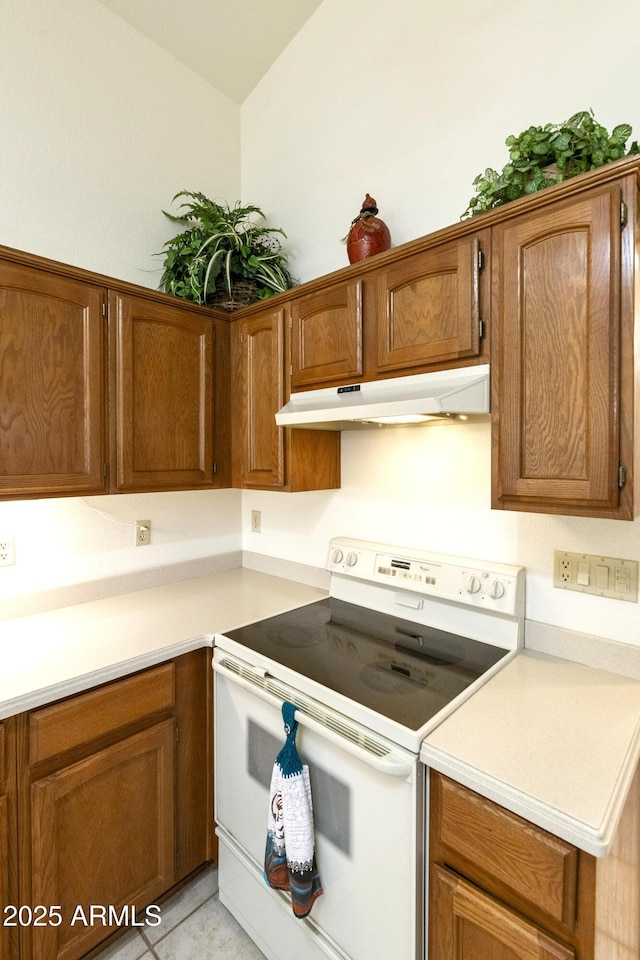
542	156
226	257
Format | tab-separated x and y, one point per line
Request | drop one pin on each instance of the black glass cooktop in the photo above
402	670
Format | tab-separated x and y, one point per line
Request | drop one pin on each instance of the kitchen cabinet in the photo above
428	305
402	313
114	801
562	362
502	888
326	335
106	388
162	370
8	842
52	386
267	456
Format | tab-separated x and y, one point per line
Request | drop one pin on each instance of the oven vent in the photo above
309	708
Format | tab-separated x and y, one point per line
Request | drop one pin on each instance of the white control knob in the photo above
473	585
496	590
352	559
337	556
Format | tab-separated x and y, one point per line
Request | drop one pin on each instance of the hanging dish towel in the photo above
289	860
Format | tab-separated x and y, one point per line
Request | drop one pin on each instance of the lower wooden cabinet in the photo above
115	805
470	925
8	841
501	888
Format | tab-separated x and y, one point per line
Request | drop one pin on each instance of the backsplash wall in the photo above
429	487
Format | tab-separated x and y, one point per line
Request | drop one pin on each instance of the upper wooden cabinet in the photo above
52	389
162	368
260	365
106	390
267	456
562	363
326	335
428	305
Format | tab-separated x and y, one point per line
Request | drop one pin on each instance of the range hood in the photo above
397	400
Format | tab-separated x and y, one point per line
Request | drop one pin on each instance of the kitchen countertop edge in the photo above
509	790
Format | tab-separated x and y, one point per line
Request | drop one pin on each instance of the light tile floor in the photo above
194	926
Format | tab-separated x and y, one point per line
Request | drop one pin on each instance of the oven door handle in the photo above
392	763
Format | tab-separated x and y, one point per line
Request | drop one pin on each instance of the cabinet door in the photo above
8	842
428	306
326	336
102	833
556	370
52	426
261	349
466	924
162	395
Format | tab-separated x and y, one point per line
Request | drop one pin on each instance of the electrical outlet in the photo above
143	533
7	551
256	519
565	570
601	576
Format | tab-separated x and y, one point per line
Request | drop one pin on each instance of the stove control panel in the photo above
491	586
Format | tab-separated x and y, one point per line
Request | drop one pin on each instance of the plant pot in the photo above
242	294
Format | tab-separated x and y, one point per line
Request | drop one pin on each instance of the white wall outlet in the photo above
143	533
256	521
7	550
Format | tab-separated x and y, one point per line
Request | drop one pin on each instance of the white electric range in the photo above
404	637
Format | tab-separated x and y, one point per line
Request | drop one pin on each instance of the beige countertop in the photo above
548	738
552	740
53	654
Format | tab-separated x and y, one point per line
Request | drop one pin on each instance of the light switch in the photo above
602	576
583	573
622	580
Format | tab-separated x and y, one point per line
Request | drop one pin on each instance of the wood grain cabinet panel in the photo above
88	716
558	399
102	833
502	888
52	392
116	811
261	371
428	306
8	840
473	926
267	456
161	361
326	335
532	863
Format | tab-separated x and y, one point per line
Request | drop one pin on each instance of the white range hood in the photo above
398	400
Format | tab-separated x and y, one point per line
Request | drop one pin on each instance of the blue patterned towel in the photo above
289	860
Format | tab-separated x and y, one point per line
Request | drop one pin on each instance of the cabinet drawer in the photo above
510	853
90	715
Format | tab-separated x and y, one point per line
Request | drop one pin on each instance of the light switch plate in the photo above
591	573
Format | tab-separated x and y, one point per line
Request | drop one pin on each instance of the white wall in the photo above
409	101
99	129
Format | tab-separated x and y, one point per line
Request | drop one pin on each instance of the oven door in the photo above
368	802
